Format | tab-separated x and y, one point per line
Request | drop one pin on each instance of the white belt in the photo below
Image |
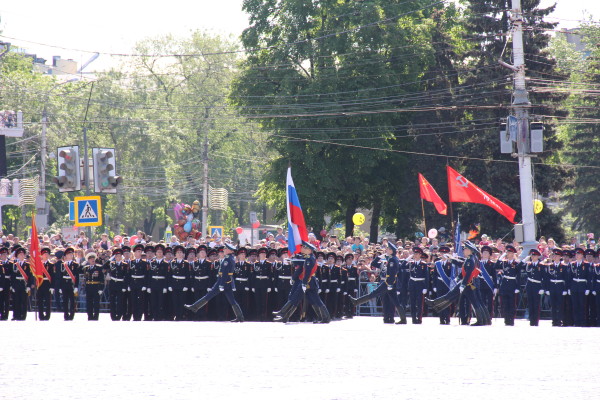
351	279
111	278
158	277
201	277
7	276
509	277
22	279
285	277
557	281
241	279
137	276
323	280
598	280
45	279
416	279
262	277
178	277
335	280
533	280
579	280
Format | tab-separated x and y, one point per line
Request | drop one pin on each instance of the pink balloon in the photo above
323	232
132	240
117	239
256	224
239	230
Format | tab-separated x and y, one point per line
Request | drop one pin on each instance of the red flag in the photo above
460	189
37	267
428	193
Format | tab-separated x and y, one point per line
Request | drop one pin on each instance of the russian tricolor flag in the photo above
296	225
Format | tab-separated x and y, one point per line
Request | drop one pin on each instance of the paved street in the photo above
356	359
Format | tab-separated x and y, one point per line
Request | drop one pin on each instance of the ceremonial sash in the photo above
69	272
22	271
442	273
45	271
486	276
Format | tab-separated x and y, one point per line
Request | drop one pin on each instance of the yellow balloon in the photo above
538	206
358	219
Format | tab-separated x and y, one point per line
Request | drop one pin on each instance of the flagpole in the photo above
450	202
424	222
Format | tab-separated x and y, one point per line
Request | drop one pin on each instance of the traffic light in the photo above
105	178
69	175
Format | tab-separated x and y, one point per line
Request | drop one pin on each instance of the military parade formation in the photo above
156	282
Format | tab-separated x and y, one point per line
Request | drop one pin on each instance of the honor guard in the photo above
117	289
190	256
533	287
127	297
340	292
242	273
138	281
225	284
444	273
334	276
94	284
595	285
22	282
68	281
469	284
45	291
510	284
351	284
147	302
178	285
579	288
201	271
5	277
488	288
555	283
261	284
159	269
417	286
590	301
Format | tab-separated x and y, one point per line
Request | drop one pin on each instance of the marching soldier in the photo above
94	283
469	285
533	287
579	287
5	277
138	281
45	291
159	269
488	288
117	289
444	273
261	284
68	280
417	286
590	307
201	271
283	278
556	285
22	282
351	284
510	283
178	285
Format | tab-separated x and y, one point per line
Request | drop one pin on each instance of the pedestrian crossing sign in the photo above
88	211
215	229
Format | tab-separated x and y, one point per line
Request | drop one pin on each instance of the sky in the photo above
115	25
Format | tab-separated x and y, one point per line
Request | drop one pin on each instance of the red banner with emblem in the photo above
428	193
36	265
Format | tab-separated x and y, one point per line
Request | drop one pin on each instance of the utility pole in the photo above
86	164
520	108
205	180
41	216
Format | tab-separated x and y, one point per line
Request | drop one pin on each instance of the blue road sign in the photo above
88	211
216	229
71	211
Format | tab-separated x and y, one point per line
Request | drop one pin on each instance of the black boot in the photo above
325	317
359	301
237	310
196	306
402	314
283	310
286	317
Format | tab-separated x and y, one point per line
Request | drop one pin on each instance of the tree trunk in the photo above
350	210
374	229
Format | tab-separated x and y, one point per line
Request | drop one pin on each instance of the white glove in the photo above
13	290
424	291
253	290
234	289
209	289
564	293
276	290
326	290
128	288
268	290
397	293
149	290
541	291
304	288
170	289
461	288
143	288
222	288
495	290
338	290
569	292
345	293
355	290
594	292
192	290
164	291
390	287
100	292
517	290
51	290
124	290
27	290
547	293
185	289
435	289
59	291
247	289
587	292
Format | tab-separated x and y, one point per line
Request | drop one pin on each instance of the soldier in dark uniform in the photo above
488	276
138	281
242	273
444	273
282	276
201	271
67	272
510	283
533	287
387	286
469	285
273	258
417	286
351	284
159	270
22	281
322	274
225	284
5	277
169	300
94	283
333	277
341	292
579	288
568	320
147	298
127	296
45	291
595	285
590	301
190	256
117	288
261	284
556	285
179	282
